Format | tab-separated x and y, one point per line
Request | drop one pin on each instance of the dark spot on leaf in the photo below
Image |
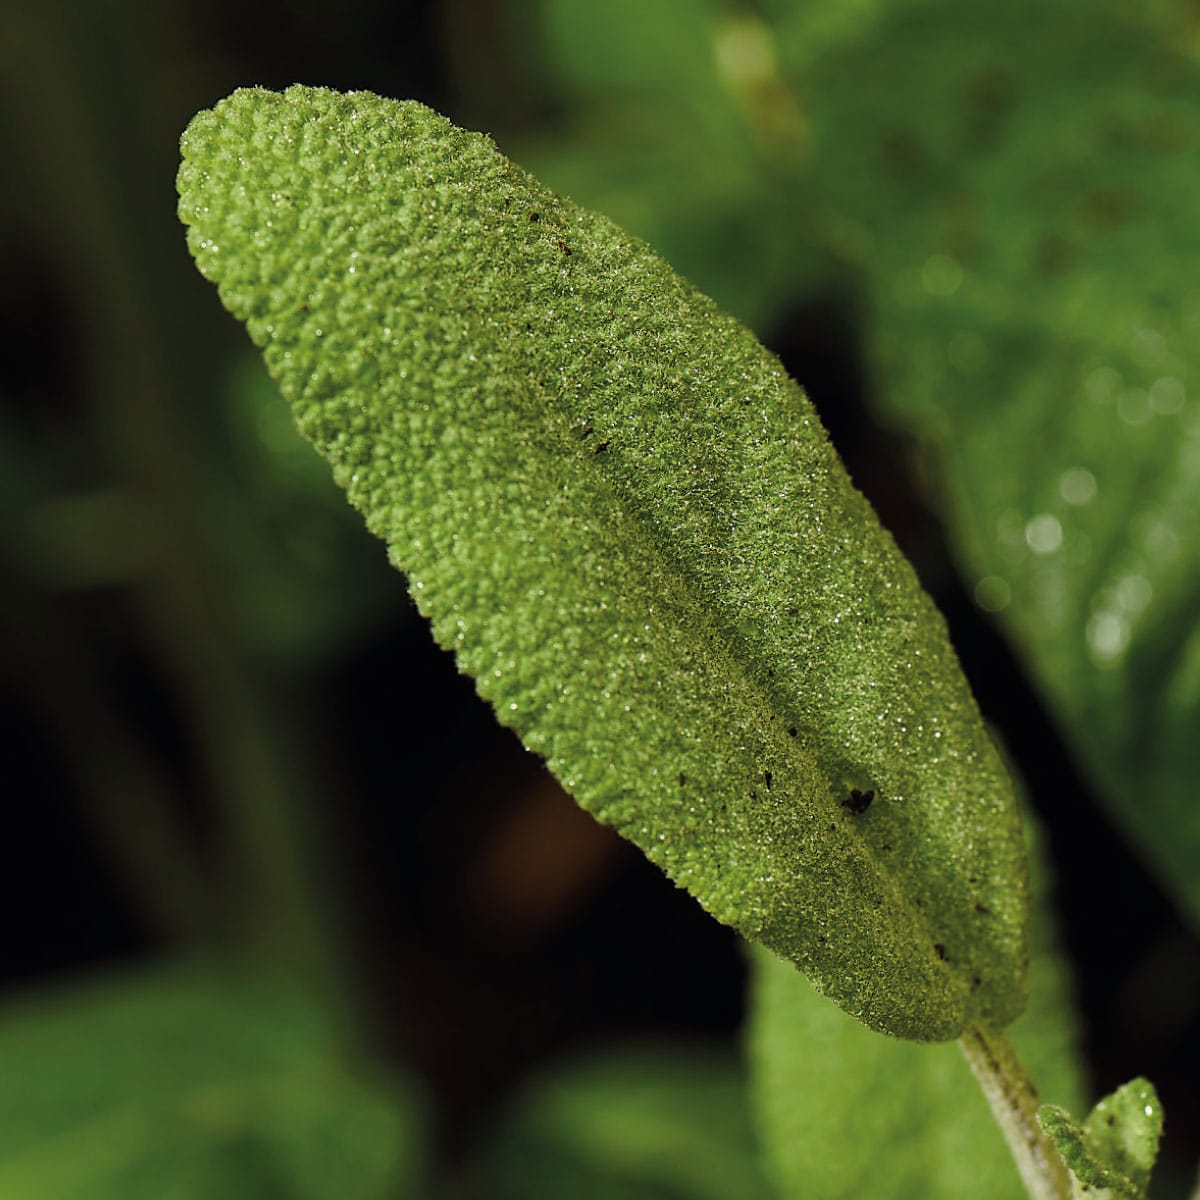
600	449
1111	1119
767	778
886	846
682	779
753	795
792	731
982	908
535	216
976	981
858	802
563	246
972	879
822	938
939	950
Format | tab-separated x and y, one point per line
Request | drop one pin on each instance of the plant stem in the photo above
1010	1092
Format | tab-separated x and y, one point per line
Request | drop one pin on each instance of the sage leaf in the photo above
1029	303
1111	1155
1011	228
627	523
826	1090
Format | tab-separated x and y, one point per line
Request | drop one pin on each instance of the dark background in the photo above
224	724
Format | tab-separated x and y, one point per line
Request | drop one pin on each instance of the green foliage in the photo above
1005	190
629	526
997	200
845	1114
697	156
1028	250
656	1122
190	1084
1112	1153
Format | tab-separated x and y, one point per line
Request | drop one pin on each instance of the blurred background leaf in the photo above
652	1122
186	1083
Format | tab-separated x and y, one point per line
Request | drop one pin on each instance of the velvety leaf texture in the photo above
843	1114
627	523
1006	191
1112	1153
1029	241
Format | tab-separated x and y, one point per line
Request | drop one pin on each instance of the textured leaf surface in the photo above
843	1113
628	524
682	131
1030	245
189	1085
649	1123
1112	1154
1009	190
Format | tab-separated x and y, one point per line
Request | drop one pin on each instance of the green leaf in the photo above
1112	1153
1009	187
844	1113
628	524
187	1084
636	1123
680	129
1023	208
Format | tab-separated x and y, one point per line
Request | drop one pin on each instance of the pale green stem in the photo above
1010	1092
